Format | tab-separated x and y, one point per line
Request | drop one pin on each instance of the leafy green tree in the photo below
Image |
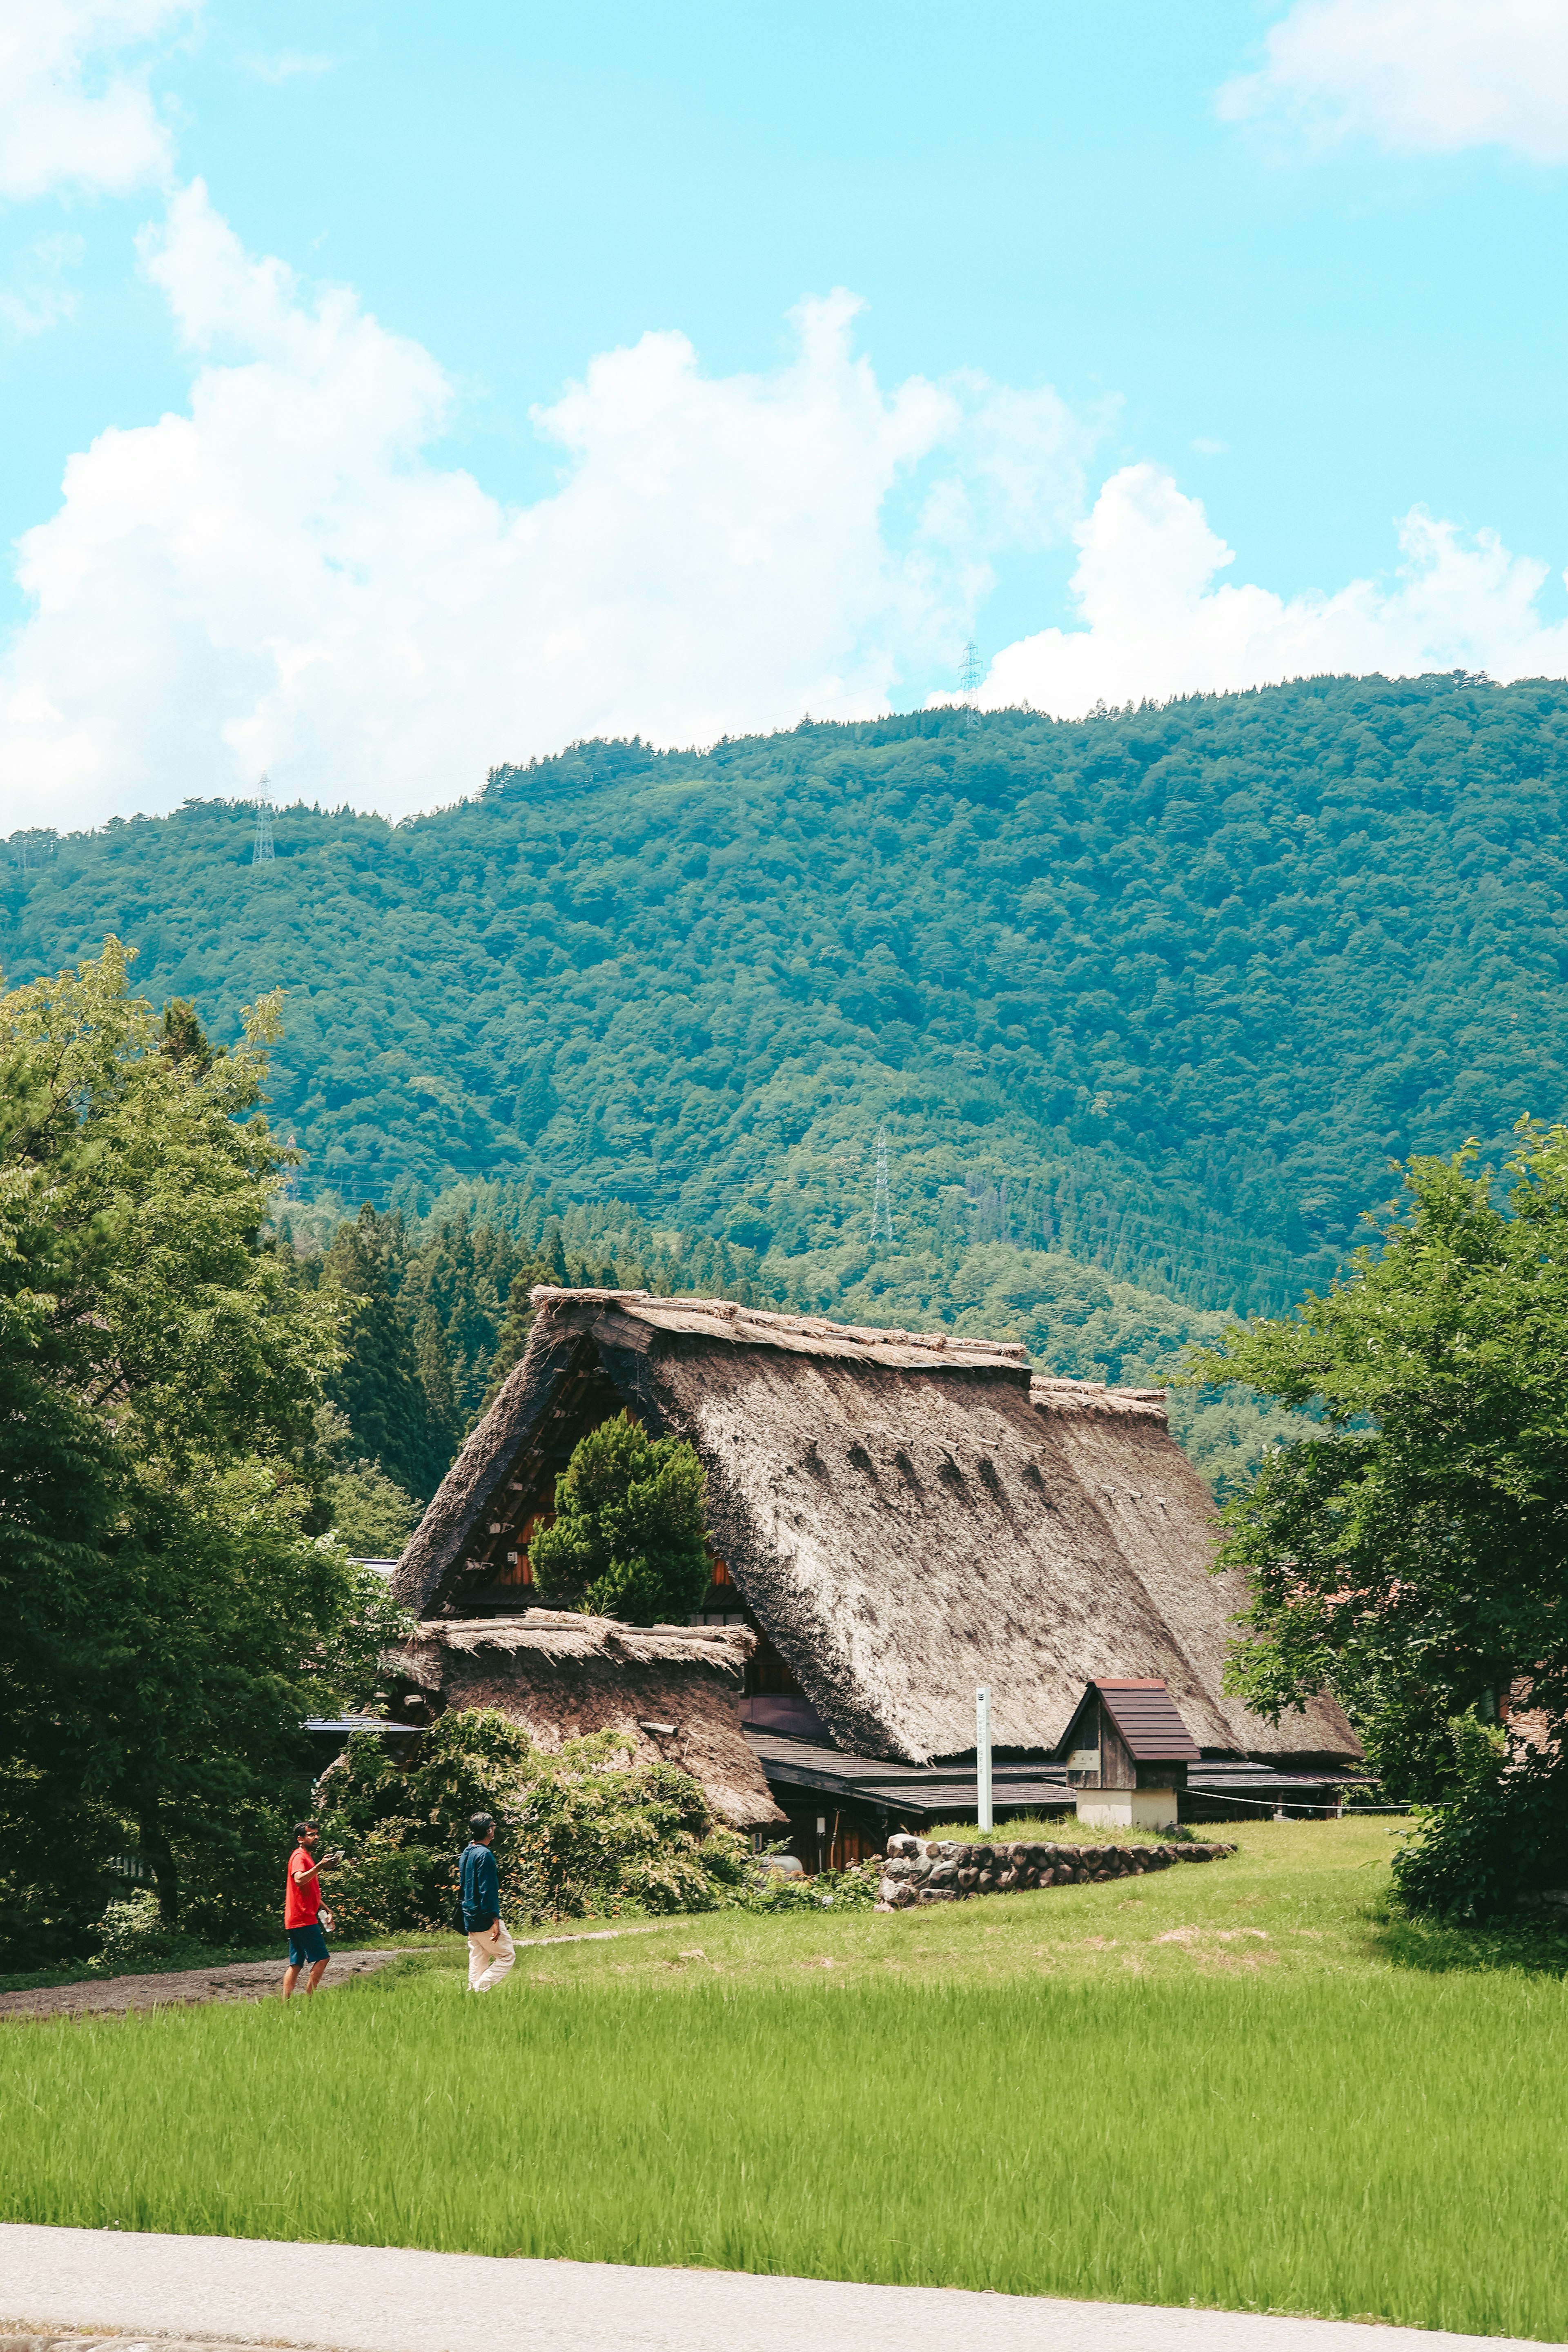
370	1623
629	1537
1411	1552
372	1518
160	1596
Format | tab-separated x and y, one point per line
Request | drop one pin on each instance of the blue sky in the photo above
1312	302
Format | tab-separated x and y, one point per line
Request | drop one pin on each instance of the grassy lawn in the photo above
1240	2083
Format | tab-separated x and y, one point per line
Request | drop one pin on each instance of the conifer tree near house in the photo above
629	1536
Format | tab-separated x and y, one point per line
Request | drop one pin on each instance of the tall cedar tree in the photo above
629	1537
1411	1552
378	1384
551	1264
159	1369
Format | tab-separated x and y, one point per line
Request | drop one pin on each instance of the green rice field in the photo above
1241	2085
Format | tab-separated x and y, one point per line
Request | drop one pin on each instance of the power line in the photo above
971	670
261	850
882	1207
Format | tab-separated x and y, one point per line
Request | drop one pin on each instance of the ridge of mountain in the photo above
1163	990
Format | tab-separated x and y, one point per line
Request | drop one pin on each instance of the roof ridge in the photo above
812	1327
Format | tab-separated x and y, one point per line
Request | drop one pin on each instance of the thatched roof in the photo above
669	1691
906	1515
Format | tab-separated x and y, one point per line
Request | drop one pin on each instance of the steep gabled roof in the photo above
908	1515
1144	1713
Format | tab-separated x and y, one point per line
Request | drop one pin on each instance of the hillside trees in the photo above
1411	1552
160	1365
1158	992
1073	1318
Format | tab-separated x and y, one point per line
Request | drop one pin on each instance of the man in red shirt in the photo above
302	1910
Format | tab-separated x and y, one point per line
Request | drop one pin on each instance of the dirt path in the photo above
178	1987
236	1981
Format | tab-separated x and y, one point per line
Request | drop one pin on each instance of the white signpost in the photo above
983	1755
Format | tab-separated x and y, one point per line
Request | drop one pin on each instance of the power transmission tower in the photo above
261	853
971	669
882	1207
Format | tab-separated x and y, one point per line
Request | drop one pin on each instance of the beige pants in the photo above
491	1955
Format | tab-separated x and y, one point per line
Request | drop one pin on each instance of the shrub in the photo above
831	1890
578	1832
131	1935
1503	1836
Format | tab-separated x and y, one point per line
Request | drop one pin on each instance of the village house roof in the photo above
906	1515
667	1691
1146	1716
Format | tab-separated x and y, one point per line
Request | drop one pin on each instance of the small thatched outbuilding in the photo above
899	1516
669	1693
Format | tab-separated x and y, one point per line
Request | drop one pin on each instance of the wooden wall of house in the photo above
853	1832
1117	1769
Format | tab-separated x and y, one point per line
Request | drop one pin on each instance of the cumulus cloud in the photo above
282	578
1421	75
75	110
1158	620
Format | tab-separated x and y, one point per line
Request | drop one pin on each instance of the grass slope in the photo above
1232	2085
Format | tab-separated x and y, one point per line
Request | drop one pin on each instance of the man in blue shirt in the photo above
490	1952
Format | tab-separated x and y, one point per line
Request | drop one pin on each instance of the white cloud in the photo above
1155	622
283	579
1421	75
43	298
73	112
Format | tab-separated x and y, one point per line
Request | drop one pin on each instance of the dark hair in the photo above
303	1829
478	1824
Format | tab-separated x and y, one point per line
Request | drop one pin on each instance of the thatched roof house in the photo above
901	1516
668	1692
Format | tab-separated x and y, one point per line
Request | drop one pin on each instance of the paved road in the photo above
388	2299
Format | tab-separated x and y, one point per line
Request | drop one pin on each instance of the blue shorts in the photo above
306	1944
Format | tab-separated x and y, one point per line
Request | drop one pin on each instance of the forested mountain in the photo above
1161	991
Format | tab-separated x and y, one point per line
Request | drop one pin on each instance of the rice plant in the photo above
1229	2086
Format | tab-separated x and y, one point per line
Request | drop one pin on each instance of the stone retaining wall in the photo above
922	1870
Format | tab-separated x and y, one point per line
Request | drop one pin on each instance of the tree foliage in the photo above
1072	1317
629	1536
159	1364
1412	1552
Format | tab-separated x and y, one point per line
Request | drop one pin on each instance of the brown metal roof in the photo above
1145	1715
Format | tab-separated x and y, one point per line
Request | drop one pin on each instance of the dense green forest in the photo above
1145	1004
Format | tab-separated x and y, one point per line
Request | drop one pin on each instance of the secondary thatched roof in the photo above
906	1514
669	1691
